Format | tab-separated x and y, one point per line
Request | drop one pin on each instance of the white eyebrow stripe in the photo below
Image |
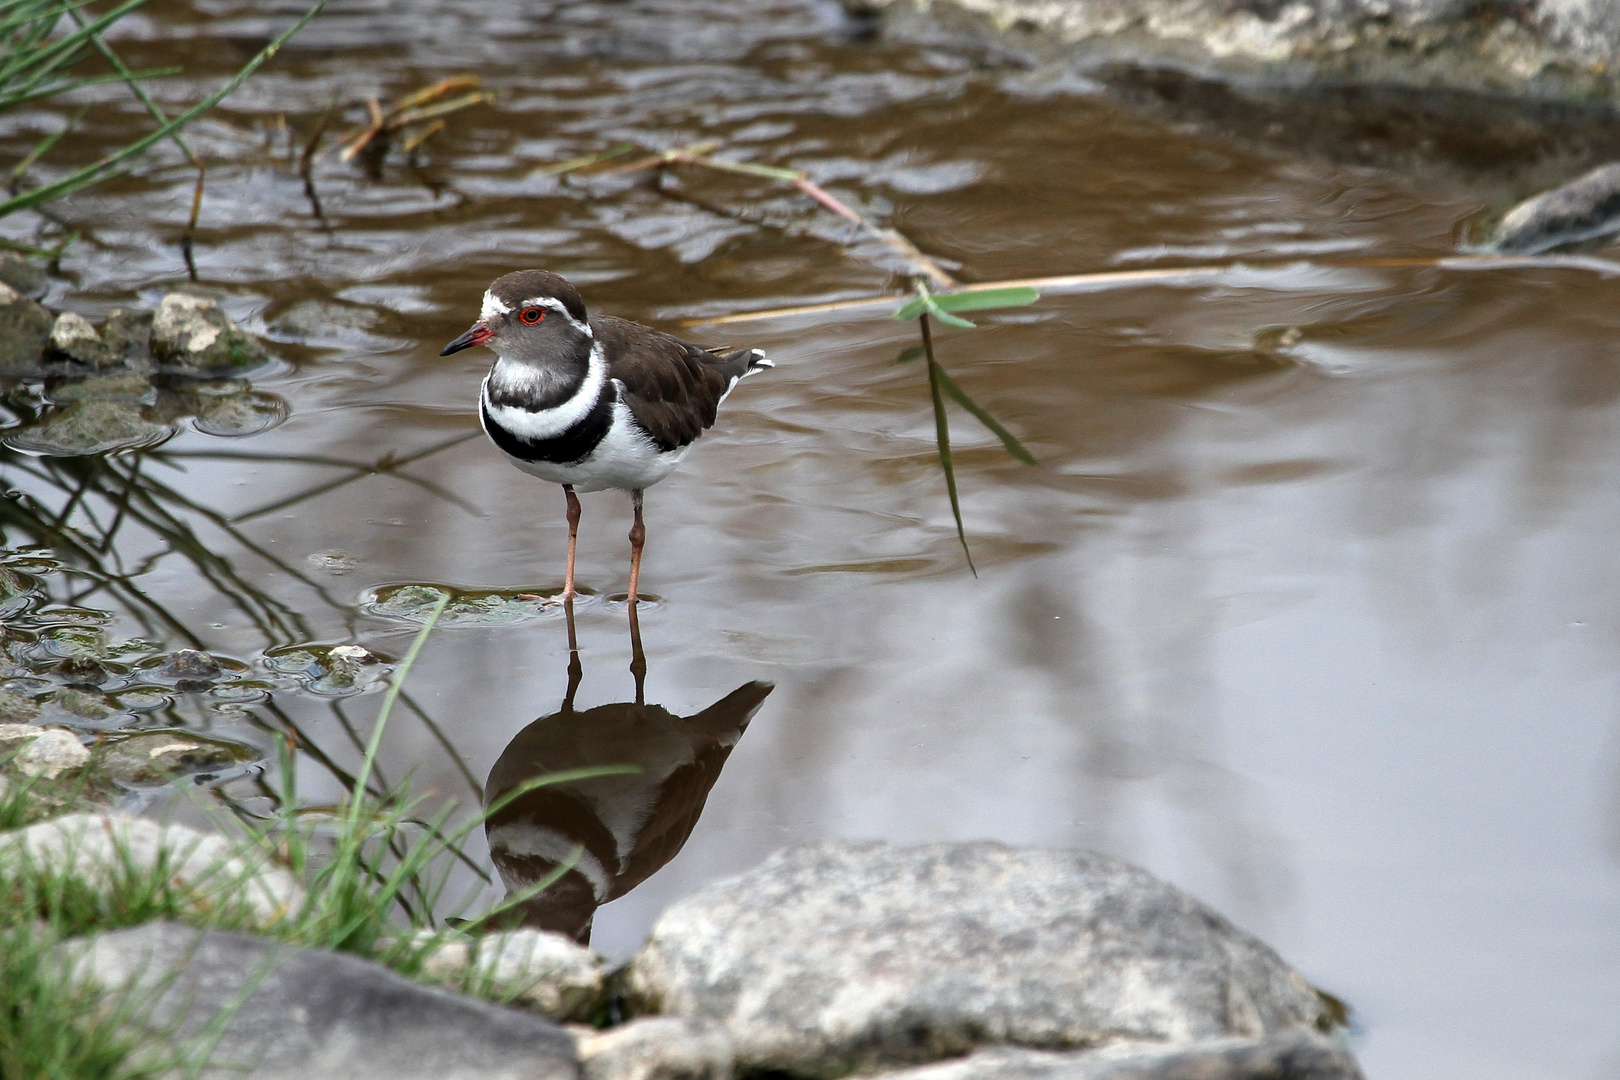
553	304
492	307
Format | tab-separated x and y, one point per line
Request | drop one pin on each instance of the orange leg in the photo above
638	537
573	540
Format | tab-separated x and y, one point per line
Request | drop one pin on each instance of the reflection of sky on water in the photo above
1320	626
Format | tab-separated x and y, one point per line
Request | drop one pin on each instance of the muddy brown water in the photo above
1309	607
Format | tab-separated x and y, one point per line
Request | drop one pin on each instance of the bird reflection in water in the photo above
612	832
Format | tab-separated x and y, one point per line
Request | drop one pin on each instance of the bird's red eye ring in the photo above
532	315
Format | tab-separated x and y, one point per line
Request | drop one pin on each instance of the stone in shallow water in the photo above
15	709
855	955
128	335
290	1013
535	968
192	335
103	850
52	753
657	1048
467	607
25	330
127	386
1298	1054
1586	208
158	758
235	415
90	427
74	339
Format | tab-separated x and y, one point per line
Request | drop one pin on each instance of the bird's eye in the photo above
532	315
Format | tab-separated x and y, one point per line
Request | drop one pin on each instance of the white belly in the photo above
624	459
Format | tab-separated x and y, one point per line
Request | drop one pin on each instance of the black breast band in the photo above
568	446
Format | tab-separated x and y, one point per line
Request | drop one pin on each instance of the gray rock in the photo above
23	275
157	758
75	340
1587	208
1542	49
124	386
540	970
1299	1054
103	850
236	415
90	427
25	330
128	335
657	1048
50	753
289	1013
191	665
192	335
14	735
856	954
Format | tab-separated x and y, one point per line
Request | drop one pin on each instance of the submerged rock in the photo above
16	709
657	1048
1292	1055
123	386
852	955
263	1010
543	971
25	330
236	415
192	335
158	758
1585	209
90	427
103	851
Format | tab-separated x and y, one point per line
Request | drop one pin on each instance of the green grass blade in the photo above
54	89
135	87
1008	439
942	436
358	796
980	299
93	172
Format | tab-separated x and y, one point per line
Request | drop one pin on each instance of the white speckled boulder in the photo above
852	955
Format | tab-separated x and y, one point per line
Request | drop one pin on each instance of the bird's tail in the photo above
740	363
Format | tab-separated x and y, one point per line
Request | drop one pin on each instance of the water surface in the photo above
1309	607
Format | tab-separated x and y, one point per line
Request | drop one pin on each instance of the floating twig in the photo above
573	164
699	154
1178	275
418	107
306	164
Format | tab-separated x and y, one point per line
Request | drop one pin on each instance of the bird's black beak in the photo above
476	336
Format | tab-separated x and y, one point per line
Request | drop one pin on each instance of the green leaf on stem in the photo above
909	353
941	305
1008	439
980	299
942	436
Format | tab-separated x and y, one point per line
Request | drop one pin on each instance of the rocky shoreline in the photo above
950	961
1540	51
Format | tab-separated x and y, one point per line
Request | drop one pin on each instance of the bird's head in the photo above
531	316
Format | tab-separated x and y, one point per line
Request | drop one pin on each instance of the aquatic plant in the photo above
44	49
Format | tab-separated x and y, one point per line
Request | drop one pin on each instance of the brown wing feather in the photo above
672	388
